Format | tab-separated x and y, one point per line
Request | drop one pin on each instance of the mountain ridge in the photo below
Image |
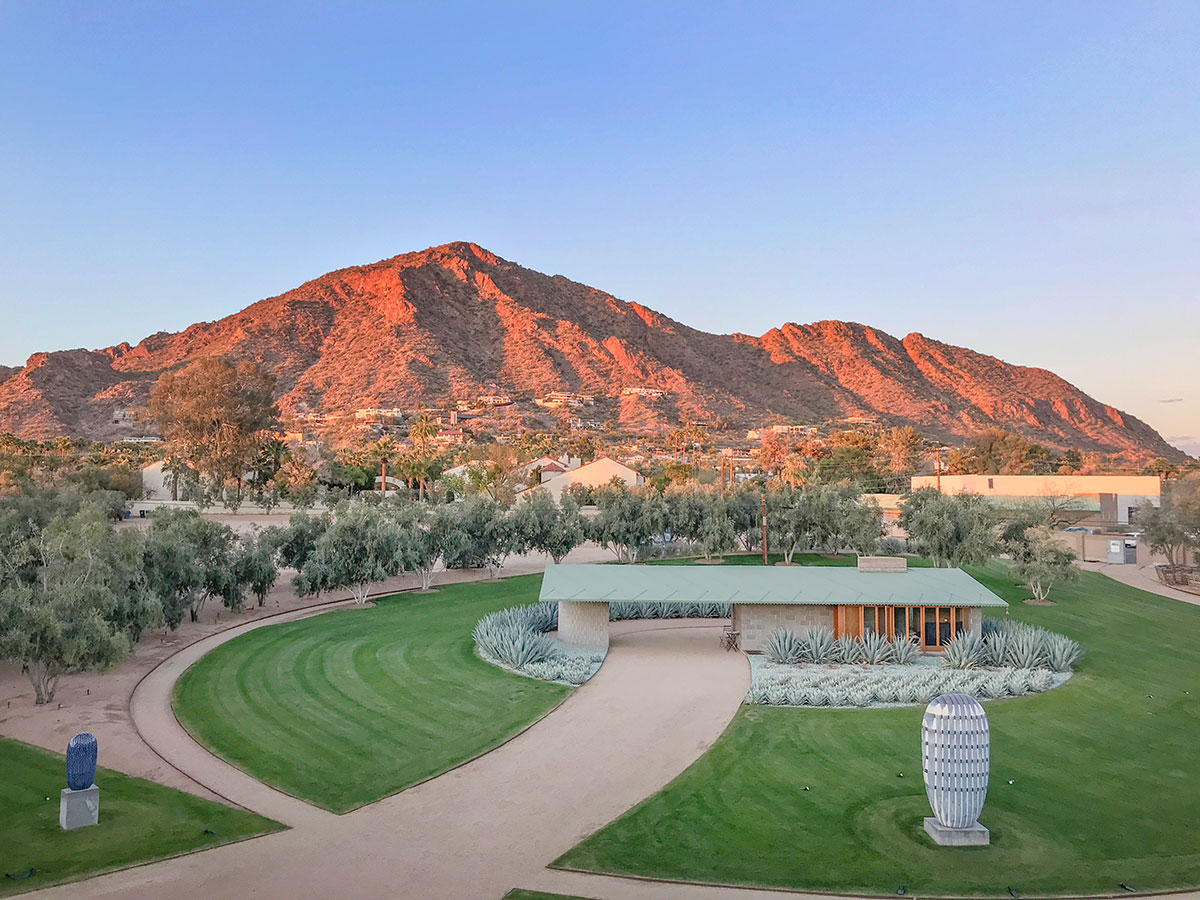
445	323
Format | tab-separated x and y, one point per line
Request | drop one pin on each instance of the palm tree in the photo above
794	469
421	433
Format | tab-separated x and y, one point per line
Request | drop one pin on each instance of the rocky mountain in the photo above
453	321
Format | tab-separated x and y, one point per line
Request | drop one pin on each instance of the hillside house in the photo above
595	474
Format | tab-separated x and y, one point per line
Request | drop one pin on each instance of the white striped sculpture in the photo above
955	751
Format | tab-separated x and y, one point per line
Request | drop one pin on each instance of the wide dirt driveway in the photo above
664	694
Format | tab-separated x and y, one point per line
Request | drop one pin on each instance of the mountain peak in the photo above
455	321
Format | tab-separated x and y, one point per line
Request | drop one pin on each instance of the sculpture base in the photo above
78	809
971	836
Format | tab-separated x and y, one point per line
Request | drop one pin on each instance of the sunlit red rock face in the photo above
444	323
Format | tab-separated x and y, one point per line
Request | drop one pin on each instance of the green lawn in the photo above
353	705
1105	770
139	822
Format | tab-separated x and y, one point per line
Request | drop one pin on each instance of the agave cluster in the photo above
884	685
819	646
1007	644
516	638
654	610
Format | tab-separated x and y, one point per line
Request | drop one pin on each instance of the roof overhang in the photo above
788	585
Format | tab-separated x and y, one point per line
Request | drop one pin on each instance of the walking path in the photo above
1141	577
663	695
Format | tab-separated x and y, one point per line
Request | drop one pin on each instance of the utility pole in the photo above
937	467
383	475
763	501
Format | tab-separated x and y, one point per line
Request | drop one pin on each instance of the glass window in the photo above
960	621
943	625
899	621
914	623
869	620
930	626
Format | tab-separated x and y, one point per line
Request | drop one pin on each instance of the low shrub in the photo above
622	610
818	645
784	646
905	651
1062	653
964	652
516	638
876	649
822	687
847	649
995	648
1026	649
511	641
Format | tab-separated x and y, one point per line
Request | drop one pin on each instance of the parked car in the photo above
1079	528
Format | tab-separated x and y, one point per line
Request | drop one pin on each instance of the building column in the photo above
975	620
583	623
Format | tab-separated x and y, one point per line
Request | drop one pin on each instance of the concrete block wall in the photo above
583	623
757	621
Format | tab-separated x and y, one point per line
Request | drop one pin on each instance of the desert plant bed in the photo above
139	821
347	707
811	667
518	638
1093	785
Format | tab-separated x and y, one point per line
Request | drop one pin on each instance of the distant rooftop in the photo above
795	585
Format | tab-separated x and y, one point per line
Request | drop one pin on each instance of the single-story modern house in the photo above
882	595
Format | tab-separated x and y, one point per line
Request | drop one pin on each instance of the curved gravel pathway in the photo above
664	694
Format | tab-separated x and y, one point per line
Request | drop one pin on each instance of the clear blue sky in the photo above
1021	178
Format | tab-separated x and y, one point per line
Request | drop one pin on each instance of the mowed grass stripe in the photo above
1105	785
347	707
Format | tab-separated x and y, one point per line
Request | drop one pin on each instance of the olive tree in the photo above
72	598
626	521
256	559
190	560
951	530
553	528
485	536
1039	560
428	535
1173	529
361	546
296	542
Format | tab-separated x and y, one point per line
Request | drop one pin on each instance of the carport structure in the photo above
881	595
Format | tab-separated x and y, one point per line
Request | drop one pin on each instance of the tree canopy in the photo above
215	415
72	595
951	530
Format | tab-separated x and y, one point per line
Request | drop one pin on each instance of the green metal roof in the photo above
809	585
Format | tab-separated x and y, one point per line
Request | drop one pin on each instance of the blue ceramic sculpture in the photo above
81	762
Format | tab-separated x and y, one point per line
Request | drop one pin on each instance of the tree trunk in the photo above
43	682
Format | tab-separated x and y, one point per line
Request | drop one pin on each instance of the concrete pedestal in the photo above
78	809
971	836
